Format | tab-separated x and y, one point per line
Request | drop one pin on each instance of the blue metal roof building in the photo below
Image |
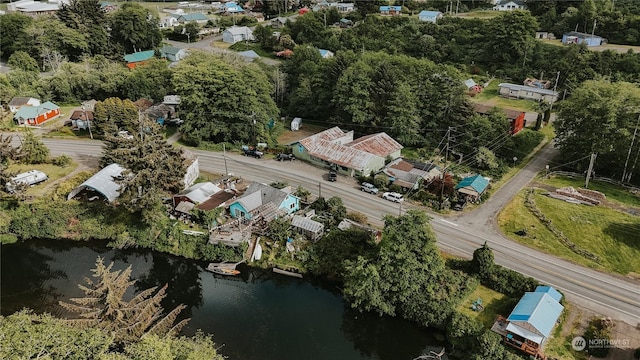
473	185
535	315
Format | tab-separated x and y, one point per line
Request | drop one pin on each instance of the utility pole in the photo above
84	109
633	139
593	159
446	155
319	189
224	156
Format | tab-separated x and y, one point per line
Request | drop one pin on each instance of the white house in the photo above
168	22
429	16
172	53
509	5
17	102
345	7
237	33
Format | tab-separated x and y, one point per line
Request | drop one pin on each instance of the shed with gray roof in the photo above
103	183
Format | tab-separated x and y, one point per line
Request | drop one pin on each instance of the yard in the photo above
610	234
53	172
494	304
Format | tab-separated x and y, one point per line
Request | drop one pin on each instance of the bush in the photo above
598	329
358	217
61	161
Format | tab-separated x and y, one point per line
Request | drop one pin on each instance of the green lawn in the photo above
494	304
479	14
611	235
53	172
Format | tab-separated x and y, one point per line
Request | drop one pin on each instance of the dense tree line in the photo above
81	28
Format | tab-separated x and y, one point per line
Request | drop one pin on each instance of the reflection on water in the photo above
257	315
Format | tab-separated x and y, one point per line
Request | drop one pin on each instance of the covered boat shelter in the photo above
103	183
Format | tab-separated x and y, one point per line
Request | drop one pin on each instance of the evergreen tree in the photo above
103	307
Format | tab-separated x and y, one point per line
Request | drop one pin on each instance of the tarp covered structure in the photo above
103	183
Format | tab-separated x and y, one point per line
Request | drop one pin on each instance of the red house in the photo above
36	115
516	117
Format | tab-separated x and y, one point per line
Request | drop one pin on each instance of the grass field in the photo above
494	304
610	234
53	172
614	193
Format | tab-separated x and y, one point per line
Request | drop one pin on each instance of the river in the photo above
256	315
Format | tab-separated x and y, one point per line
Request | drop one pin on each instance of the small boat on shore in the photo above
288	273
223	269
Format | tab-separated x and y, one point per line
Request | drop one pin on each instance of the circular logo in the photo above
578	343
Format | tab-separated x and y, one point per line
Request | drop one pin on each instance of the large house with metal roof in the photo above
263	202
36	115
337	149
199	18
530	323
236	34
429	16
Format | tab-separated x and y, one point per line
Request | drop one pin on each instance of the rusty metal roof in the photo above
338	147
379	144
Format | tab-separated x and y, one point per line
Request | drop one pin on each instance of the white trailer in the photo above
28	178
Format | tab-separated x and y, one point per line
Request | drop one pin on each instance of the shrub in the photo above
61	161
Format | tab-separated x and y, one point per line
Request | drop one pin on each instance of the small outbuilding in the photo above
310	229
473	186
173	53
296	123
575	37
429	16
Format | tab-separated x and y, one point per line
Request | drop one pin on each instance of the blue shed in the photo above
473	186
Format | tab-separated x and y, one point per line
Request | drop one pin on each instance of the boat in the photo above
223	269
288	273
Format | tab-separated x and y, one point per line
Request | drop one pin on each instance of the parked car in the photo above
366	187
460	205
333	176
393	196
254	153
285	157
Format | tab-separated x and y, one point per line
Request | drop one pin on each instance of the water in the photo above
257	315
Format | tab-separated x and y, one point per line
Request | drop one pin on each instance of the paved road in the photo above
205	45
607	294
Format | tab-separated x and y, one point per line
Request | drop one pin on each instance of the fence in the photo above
631	188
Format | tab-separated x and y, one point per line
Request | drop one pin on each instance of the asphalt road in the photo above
607	294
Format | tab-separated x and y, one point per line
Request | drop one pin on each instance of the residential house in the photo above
81	119
235	34
510	5
527	92
232	8
263	202
36	115
160	113
472	187
17	102
103	184
172	53
575	37
390	10
168	22
194	195
310	229
326	54
279	22
409	174
430	16
198	18
337	149
138	58
345	7
530	323
516	117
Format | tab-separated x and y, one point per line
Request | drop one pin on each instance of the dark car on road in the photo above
254	153
285	157
333	176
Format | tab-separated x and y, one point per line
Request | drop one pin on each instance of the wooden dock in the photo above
288	273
